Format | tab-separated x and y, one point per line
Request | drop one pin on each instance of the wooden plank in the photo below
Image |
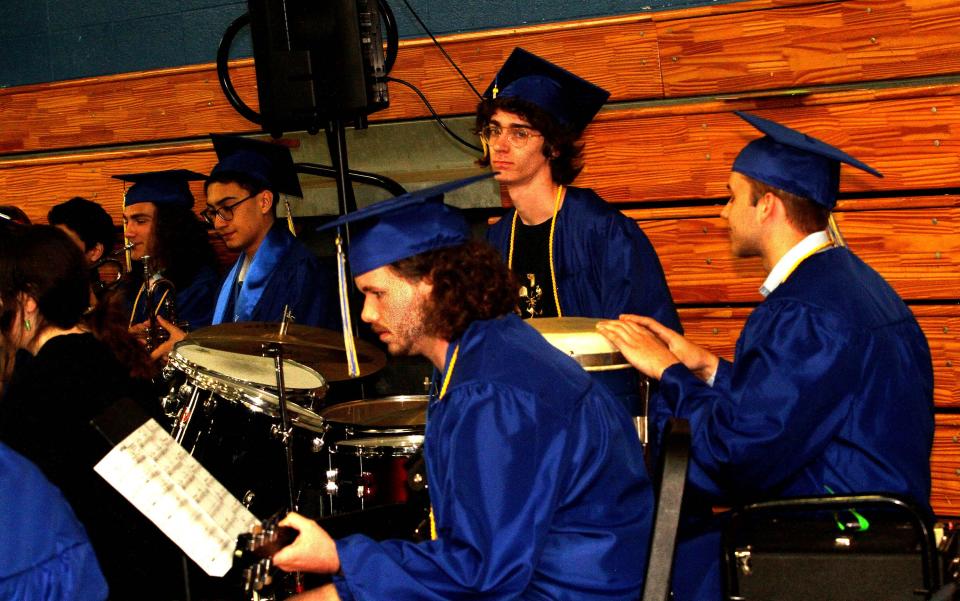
917	251
717	330
619	53
39	184
639	156
149	106
945	466
817	44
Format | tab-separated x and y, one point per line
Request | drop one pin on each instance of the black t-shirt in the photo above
531	257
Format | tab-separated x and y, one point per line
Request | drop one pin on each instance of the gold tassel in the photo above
834	231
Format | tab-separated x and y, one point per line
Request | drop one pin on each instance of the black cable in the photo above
434	113
435	41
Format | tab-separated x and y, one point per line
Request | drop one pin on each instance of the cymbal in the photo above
323	350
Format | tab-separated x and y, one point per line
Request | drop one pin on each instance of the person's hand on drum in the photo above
176	335
312	551
652	347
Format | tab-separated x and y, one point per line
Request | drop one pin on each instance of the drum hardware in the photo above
316	348
226	407
275	350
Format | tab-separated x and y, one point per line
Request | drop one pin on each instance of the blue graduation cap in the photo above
404	226
569	99
270	165
794	162
169	187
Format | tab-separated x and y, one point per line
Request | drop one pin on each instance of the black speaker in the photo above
317	61
868	548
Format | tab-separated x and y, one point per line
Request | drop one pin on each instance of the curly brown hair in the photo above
560	142
470	283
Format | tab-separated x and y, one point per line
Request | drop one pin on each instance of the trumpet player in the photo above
165	233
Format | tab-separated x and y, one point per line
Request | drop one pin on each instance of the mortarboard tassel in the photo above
348	343
286	203
834	230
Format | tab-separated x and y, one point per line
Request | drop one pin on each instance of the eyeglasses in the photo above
225	211
517	135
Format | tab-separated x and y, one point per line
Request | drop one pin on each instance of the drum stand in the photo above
285	432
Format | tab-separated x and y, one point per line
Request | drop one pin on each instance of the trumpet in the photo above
160	294
108	271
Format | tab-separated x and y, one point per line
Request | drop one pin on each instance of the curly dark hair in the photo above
560	142
470	283
88	220
43	262
181	243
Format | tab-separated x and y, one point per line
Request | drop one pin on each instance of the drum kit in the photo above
248	400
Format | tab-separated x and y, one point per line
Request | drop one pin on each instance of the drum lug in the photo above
170	404
332	487
367	487
316	445
277	431
209	404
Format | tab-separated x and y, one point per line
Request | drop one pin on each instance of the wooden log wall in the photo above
879	78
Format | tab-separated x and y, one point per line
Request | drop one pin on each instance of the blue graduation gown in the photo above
537	482
605	266
831	388
45	553
283	272
193	303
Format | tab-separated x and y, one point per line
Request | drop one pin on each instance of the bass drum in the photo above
226	413
373	452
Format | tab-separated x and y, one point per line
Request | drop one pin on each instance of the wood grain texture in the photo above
617	53
917	251
718	329
945	466
38	184
817	44
633	157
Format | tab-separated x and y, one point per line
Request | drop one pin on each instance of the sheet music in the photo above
176	493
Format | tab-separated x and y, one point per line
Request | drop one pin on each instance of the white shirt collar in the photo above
788	261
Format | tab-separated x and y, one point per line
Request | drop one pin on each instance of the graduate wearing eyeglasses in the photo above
274	269
574	254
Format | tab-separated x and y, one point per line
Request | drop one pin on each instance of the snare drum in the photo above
366	472
226	412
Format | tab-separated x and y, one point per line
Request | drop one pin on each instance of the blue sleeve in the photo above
633	280
771	411
488	541
45	553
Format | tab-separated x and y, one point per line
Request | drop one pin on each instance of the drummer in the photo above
573	253
831	389
537	490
